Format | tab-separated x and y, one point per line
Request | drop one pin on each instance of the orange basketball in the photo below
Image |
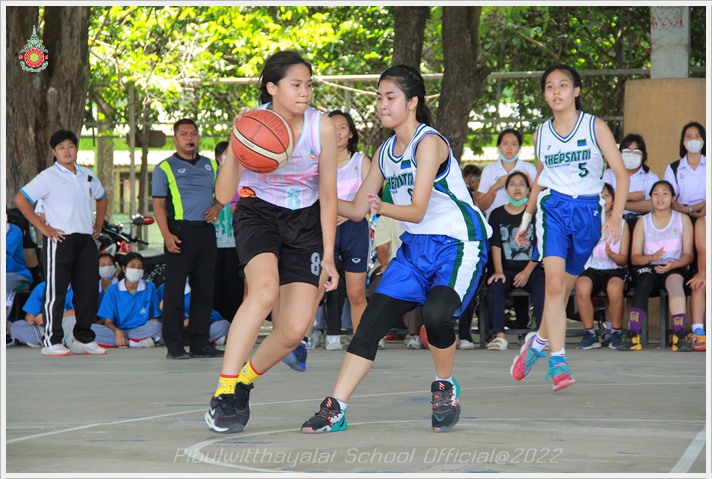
262	140
424	337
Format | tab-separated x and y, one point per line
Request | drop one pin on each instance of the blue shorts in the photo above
568	227
352	246
425	261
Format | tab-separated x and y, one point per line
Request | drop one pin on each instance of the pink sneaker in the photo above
525	360
559	373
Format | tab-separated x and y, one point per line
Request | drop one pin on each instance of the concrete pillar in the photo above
670	42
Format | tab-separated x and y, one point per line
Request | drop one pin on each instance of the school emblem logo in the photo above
34	56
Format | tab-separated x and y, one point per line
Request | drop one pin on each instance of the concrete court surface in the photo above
134	413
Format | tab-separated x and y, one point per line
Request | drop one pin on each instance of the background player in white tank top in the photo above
570	147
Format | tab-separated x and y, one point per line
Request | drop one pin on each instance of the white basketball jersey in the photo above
450	210
573	165
294	185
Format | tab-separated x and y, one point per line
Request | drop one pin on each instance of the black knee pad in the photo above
438	314
380	315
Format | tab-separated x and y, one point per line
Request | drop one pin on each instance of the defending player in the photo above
441	259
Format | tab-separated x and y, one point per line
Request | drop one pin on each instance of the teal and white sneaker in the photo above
446	404
330	418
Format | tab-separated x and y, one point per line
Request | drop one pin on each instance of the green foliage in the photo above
172	54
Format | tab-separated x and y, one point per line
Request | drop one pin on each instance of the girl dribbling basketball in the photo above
285	239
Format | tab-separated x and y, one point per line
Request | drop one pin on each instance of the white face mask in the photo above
134	275
631	160
107	272
694	146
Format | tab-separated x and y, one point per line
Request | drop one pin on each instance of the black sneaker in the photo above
632	342
329	418
177	353
683	341
229	413
206	351
446	404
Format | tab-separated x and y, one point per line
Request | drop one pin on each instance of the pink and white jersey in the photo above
599	259
349	177
294	185
669	238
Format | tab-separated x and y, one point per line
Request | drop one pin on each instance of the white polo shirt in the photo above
492	172
639	181
690	185
67	198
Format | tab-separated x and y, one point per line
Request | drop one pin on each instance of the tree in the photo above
465	73
408	35
40	103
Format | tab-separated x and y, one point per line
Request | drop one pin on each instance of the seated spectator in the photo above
472	175
129	313
605	271
31	330
661	250
688	175
219	326
17	275
635	157
492	190
107	274
513	264
697	286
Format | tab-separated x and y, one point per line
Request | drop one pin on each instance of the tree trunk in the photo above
105	164
408	35
38	104
464	73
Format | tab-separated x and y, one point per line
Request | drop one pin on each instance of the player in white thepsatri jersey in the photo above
571	147
440	261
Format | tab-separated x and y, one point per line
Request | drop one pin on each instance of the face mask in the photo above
518	202
510	160
631	160
134	275
107	272
694	146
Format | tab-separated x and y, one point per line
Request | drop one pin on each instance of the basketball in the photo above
424	337
262	140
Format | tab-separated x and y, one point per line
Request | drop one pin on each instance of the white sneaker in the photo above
465	344
315	339
144	343
221	341
87	348
412	341
333	343
56	350
382	343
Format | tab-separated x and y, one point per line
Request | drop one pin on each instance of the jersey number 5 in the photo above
584	171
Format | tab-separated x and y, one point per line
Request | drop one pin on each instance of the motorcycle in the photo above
115	240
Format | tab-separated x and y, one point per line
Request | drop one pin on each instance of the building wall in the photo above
657	109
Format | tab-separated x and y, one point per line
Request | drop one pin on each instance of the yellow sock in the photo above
248	375
226	385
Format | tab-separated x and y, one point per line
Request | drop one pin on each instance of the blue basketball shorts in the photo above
425	261
352	246
568	227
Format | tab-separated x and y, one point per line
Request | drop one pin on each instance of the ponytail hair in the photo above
276	68
571	73
411	83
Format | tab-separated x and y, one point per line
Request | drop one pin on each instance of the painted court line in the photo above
397	393
690	455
